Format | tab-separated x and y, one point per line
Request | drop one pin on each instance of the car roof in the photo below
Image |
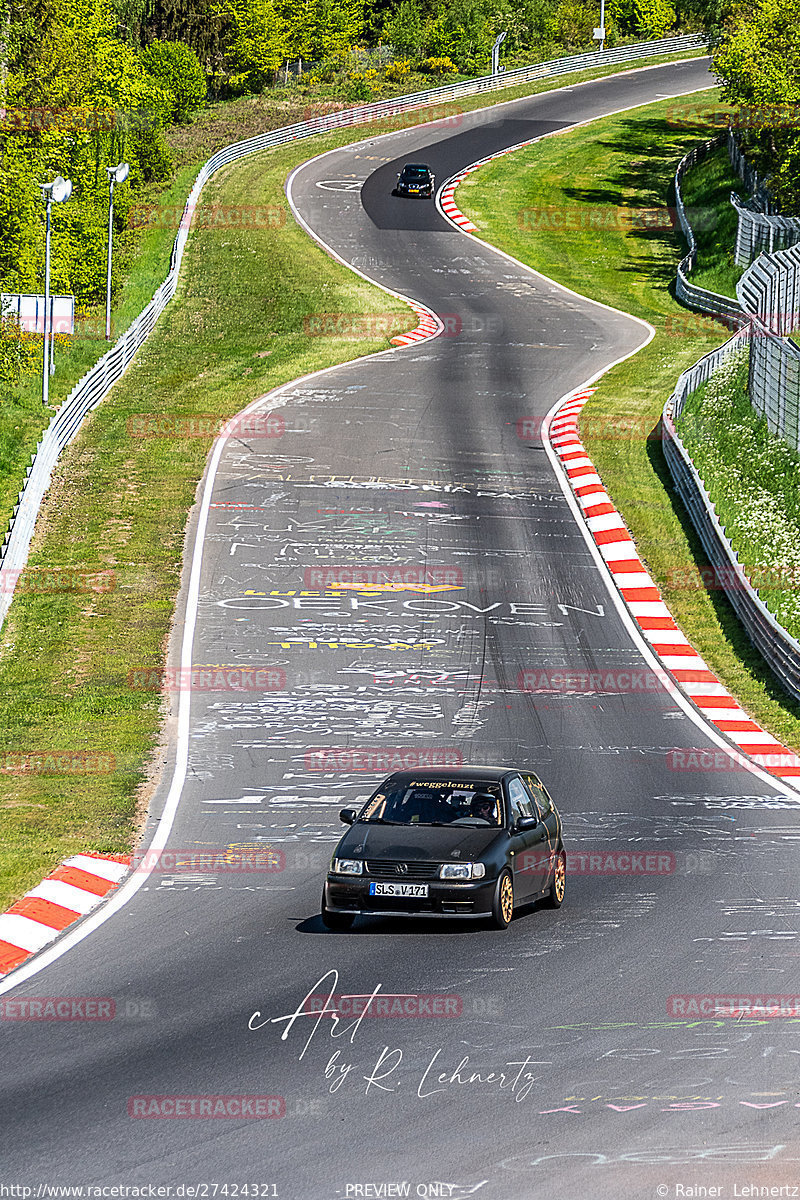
416	167
481	774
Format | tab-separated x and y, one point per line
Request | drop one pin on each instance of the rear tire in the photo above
555	897
503	901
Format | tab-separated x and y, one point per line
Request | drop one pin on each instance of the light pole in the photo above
599	34
116	174
59	190
501	37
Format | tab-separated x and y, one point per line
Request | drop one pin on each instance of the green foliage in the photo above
654	18
758	62
321	29
254	44
20	352
177	69
78	100
404	29
642	18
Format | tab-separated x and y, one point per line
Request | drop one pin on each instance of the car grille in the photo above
392	868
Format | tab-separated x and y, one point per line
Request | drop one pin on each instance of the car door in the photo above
549	817
530	846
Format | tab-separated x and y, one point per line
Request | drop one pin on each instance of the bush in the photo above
439	66
178	70
357	89
19	351
398	69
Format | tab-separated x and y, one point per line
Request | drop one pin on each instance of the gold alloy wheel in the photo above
560	880
506	898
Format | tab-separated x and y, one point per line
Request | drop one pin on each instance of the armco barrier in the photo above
687	292
95	385
779	649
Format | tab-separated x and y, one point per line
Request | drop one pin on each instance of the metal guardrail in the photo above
96	384
687	292
777	646
769	309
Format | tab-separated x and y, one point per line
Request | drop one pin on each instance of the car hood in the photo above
413	843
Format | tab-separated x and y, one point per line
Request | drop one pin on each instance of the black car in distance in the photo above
415	179
449	842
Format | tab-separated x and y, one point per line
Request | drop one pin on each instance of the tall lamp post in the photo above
501	37
59	190
116	174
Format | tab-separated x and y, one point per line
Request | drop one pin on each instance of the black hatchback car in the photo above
464	842
415	179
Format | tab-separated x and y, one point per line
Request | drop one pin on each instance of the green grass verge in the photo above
120	504
753	478
706	191
596	173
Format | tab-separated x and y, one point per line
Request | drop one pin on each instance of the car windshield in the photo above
436	802
414	172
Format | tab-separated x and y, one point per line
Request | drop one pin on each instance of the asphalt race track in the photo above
557	1066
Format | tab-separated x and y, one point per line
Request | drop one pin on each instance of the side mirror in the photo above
523	823
347	816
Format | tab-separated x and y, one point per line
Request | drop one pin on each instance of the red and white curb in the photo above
71	891
644	601
428	326
448	205
446	202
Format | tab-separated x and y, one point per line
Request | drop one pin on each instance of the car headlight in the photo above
347	866
468	870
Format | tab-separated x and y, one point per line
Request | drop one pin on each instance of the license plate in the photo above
407	890
413	191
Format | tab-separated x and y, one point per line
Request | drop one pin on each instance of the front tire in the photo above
558	887
337	921
503	901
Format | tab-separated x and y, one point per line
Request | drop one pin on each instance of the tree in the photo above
322	29
404	29
758	63
178	70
